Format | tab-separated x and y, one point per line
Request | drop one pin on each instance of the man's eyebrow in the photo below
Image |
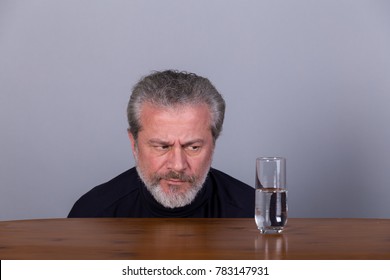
192	142
155	141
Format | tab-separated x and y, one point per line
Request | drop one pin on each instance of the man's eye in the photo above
162	148
193	148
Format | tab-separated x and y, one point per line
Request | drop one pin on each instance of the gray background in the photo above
308	80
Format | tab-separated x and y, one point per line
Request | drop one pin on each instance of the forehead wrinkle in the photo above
154	118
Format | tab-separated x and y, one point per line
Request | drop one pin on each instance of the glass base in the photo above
270	230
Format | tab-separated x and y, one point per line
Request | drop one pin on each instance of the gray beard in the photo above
174	198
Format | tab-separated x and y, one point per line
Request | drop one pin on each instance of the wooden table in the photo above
119	238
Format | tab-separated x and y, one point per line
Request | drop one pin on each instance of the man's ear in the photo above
133	143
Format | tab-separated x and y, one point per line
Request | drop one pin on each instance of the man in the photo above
174	119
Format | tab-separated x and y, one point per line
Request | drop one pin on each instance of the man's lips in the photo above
175	181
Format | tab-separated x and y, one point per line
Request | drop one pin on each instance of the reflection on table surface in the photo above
122	238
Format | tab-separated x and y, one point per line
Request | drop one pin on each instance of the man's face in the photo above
174	151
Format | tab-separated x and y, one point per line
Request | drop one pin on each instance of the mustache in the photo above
177	176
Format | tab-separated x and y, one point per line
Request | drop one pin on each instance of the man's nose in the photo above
177	160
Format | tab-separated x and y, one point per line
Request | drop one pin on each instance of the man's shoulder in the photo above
227	180
236	198
105	196
119	185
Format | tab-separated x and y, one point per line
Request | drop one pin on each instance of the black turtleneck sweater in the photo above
222	196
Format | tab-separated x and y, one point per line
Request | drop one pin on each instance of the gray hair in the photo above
172	88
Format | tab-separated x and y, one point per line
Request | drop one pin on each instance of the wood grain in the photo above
122	238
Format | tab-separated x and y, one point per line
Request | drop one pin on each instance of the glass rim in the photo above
271	158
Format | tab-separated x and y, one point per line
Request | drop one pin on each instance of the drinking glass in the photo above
271	194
